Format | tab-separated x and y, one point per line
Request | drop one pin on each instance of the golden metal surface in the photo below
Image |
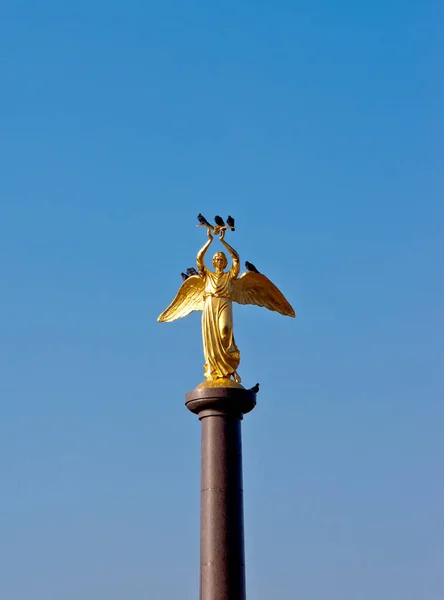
223	382
213	292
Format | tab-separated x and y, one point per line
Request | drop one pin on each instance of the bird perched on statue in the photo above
219	221
192	271
230	222
202	221
250	267
255	389
184	276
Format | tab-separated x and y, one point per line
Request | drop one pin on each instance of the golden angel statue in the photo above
213	292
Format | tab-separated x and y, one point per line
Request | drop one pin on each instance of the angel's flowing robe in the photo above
221	353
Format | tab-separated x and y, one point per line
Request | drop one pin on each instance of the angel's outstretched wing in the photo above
255	288
189	297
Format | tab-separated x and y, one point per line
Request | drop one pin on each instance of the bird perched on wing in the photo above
192	271
255	389
219	221
230	222
250	267
202	221
184	276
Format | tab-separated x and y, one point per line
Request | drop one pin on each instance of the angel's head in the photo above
220	262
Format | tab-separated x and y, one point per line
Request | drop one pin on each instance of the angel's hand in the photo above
222	234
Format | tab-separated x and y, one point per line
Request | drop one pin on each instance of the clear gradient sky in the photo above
319	126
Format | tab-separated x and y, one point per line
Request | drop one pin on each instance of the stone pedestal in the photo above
222	557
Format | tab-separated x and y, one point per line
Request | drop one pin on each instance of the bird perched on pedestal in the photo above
219	221
255	389
192	271
230	222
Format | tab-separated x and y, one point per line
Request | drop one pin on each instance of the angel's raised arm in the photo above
234	255
201	254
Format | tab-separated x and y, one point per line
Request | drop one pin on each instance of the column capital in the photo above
220	401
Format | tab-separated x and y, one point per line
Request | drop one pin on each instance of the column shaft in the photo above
222	557
222	561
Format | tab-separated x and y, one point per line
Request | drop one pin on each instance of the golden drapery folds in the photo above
213	292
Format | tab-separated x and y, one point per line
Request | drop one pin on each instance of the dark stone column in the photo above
222	557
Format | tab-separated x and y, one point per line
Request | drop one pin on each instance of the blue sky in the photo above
318	125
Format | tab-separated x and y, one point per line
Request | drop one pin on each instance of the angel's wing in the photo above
255	288
189	297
